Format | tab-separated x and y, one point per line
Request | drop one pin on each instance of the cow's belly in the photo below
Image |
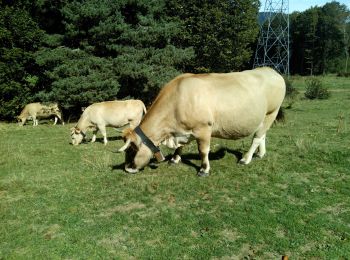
115	123
235	126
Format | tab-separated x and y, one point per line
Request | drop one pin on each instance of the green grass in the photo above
60	201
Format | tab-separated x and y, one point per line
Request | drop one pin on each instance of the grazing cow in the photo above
228	105
40	110
109	113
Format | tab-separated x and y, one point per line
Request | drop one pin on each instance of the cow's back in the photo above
30	109
114	113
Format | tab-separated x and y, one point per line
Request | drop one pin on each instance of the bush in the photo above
315	89
291	93
344	74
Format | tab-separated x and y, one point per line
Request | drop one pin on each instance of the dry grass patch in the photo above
126	208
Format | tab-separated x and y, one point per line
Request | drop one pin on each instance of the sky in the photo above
302	5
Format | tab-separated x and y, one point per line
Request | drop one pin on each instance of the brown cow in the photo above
109	113
231	106
40	110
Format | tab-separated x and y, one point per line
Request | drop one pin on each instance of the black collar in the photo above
155	149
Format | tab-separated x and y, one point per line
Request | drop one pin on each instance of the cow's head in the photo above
20	120
77	135
137	154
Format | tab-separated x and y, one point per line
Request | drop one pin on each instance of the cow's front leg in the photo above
203	142
94	133
55	122
35	121
203	149
103	132
176	158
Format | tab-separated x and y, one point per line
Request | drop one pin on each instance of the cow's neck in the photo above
156	128
83	124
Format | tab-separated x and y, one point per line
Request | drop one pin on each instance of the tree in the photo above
20	36
221	32
318	41
331	36
110	49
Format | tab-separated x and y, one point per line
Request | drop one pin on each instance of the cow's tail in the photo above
280	115
144	109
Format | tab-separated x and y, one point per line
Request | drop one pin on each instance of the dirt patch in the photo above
122	209
230	235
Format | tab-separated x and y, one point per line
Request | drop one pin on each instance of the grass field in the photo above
60	201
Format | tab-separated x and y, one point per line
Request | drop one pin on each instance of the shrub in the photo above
315	89
344	74
291	93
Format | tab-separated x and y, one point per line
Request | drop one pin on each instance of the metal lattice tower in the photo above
273	44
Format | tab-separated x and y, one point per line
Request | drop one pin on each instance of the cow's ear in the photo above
75	130
129	134
126	145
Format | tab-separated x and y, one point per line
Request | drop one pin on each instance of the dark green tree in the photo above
318	42
20	37
221	32
110	50
334	16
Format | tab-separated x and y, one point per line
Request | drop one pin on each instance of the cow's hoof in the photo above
173	162
243	162
202	174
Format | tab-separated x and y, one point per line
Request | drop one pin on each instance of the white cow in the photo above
109	113
40	110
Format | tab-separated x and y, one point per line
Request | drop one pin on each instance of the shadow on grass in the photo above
213	156
113	138
187	158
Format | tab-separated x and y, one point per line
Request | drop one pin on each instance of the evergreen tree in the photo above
20	36
318	42
112	49
221	32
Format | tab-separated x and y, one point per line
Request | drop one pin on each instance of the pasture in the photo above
60	201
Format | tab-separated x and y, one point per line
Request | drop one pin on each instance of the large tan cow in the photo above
109	113
231	106
40	110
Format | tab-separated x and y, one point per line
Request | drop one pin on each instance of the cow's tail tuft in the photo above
280	115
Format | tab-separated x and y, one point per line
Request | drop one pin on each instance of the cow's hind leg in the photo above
55	122
259	138
60	118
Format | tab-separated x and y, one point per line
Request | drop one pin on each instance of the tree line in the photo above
79	52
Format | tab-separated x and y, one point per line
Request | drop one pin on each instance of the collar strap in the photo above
81	132
155	149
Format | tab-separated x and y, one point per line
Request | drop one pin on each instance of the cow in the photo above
40	110
108	113
200	106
